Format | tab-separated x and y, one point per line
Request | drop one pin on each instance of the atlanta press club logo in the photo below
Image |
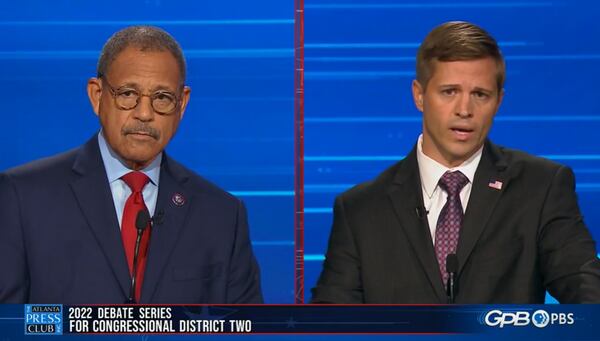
43	319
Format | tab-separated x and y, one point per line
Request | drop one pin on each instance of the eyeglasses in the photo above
127	98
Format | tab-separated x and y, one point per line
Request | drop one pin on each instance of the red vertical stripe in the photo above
299	150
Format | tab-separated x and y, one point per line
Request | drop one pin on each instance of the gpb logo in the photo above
498	318
540	318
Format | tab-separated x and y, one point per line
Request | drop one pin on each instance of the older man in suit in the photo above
460	219
76	227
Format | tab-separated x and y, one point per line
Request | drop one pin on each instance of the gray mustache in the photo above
143	129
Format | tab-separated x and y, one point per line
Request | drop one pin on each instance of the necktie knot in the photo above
453	182
135	180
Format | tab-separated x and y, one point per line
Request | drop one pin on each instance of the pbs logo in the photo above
539	318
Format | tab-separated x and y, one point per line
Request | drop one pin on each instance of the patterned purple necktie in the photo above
450	219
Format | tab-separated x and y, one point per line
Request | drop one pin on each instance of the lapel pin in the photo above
178	199
495	184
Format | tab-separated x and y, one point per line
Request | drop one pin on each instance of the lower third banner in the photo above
547	321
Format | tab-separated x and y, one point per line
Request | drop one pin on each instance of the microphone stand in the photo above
452	269
141	223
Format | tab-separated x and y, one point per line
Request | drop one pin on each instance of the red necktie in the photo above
135	203
450	219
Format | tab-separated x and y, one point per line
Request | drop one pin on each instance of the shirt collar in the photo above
115	167
431	171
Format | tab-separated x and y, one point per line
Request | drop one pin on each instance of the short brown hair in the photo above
456	41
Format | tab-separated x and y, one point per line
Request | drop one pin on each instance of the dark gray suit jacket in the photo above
515	243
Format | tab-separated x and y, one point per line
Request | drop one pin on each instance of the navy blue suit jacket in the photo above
60	239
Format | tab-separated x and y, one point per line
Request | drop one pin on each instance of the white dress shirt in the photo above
115	169
434	197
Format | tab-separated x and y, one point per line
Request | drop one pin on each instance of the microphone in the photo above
421	212
452	269
142	220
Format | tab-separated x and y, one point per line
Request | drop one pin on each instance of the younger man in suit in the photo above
460	219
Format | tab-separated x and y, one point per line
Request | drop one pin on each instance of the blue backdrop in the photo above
359	113
237	131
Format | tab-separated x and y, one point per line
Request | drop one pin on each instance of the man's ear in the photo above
418	91
94	91
185	98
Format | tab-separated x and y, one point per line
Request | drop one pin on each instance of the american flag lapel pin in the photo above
495	184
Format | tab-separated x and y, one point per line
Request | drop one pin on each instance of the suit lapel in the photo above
406	197
173	204
484	197
94	197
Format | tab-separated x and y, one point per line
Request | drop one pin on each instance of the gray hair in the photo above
145	38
